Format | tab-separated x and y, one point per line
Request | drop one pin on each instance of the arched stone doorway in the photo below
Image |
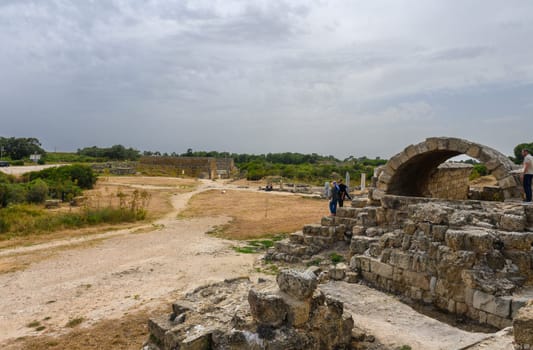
408	172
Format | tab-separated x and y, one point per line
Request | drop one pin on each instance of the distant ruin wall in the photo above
203	167
449	181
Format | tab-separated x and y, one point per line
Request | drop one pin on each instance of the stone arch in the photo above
408	172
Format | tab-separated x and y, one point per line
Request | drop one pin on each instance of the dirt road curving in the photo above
106	275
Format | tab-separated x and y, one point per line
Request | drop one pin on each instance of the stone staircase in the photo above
332	232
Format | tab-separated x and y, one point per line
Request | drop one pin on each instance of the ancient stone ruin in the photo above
237	314
470	258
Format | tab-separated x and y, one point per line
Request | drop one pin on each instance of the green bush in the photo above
37	191
82	176
17	162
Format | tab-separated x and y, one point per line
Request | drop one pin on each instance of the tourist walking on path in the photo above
343	193
334	198
527	173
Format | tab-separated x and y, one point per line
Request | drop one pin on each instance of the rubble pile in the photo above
239	314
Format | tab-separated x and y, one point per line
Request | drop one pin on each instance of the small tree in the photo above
37	191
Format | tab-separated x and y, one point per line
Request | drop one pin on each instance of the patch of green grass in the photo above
314	262
336	258
74	322
257	245
245	250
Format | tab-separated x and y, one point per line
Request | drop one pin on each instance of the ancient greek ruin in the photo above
418	234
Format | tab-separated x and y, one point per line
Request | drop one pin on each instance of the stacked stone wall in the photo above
449	181
468	258
190	166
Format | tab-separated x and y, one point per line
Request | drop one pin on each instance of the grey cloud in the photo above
460	53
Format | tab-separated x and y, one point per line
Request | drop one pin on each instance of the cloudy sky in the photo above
330	77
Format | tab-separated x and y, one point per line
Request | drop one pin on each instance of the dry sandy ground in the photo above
120	273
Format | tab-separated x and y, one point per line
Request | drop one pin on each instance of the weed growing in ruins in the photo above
74	322
314	262
336	258
258	245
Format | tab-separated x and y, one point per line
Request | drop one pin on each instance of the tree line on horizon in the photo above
297	166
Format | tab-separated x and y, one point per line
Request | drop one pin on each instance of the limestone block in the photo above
432	143
406	242
523	325
374	231
410	151
338	272
498	322
359	244
351	277
473	151
425	227
517	302
428	212
517	240
300	285
416	279
508	182
200	341
267	309
358	230
511	222
421	148
397	274
478	241
298	310
409	228
455	239
374	250
296	237
461	308
158	326
359	202
334	305
401	259
458	145
491	304
381	269
369	276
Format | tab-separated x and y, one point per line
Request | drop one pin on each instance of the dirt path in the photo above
395	324
125	271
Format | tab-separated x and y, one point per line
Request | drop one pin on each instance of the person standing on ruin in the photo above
334	198
343	193
527	174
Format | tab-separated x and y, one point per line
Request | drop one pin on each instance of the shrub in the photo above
37	191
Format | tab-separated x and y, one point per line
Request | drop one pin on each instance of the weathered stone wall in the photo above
190	166
116	168
469	258
449	181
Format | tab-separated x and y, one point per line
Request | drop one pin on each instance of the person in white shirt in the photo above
527	173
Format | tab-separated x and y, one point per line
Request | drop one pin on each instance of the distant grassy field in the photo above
256	214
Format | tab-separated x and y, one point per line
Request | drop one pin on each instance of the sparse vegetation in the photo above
23	219
336	258
74	322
